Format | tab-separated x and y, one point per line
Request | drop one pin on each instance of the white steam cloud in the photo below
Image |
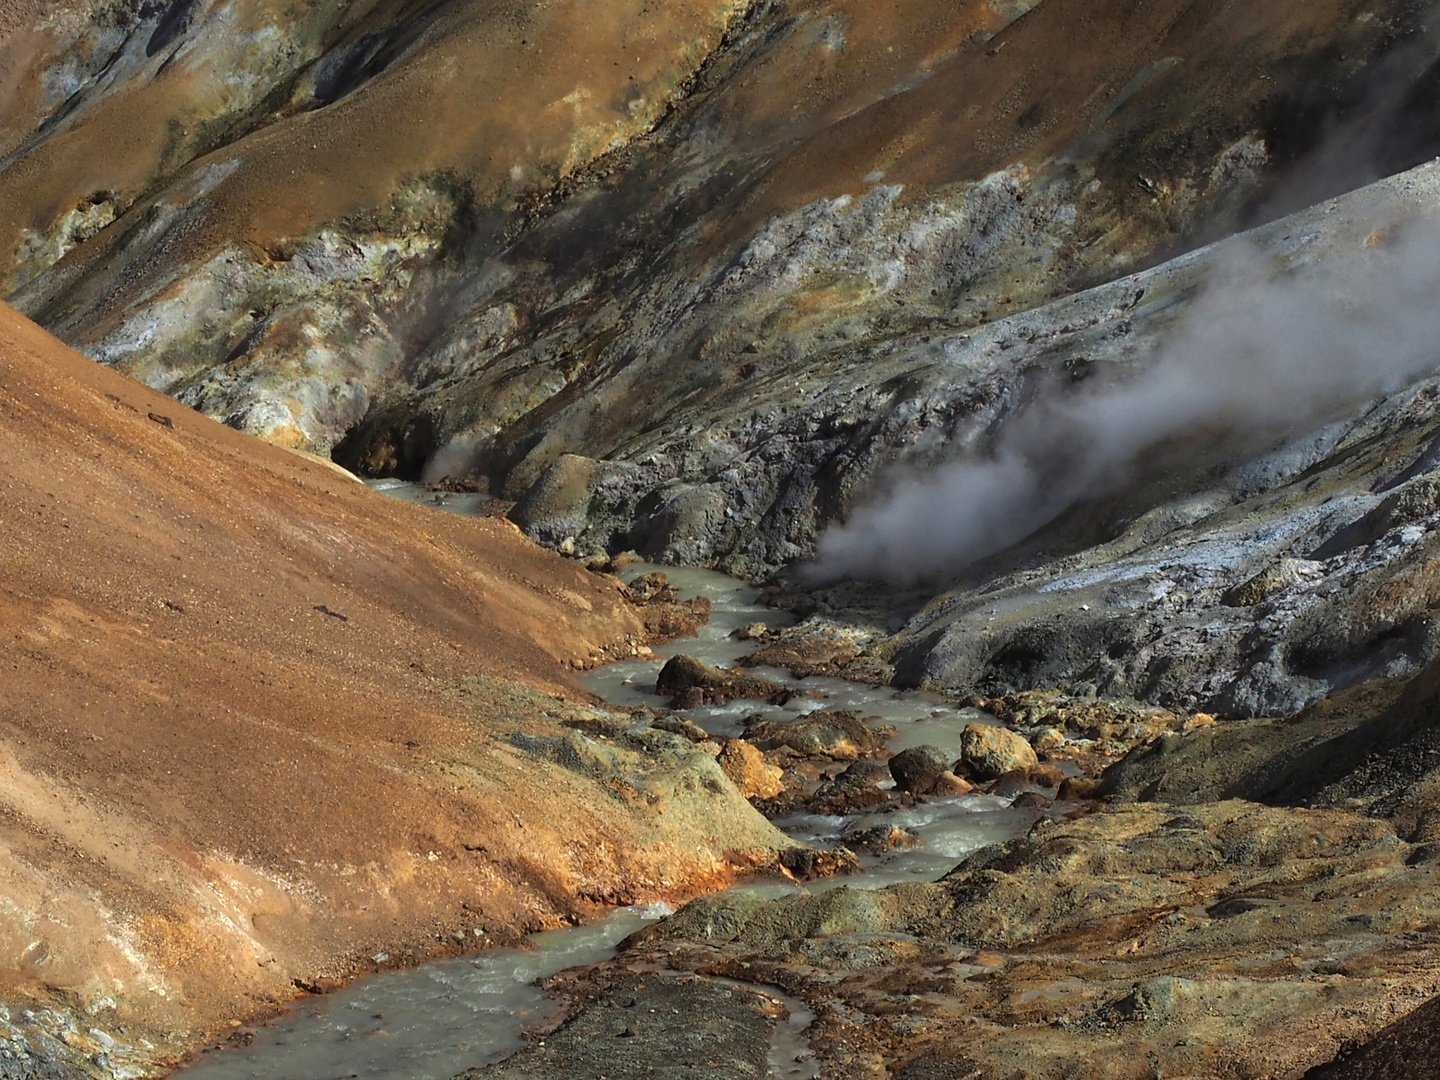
1254	354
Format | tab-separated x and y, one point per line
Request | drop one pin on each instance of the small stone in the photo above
882	839
948	784
1047	738
918	769
808	864
679	725
1030	800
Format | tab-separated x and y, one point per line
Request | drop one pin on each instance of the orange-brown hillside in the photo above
255	719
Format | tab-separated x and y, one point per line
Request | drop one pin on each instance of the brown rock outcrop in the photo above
1222	940
837	735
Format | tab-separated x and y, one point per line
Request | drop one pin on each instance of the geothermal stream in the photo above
434	1021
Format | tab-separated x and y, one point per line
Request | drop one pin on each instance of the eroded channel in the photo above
435	1021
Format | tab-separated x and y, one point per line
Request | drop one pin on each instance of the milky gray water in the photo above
466	503
435	1021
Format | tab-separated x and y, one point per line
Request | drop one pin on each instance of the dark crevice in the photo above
171	26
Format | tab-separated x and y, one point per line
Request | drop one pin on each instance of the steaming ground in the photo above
1257	357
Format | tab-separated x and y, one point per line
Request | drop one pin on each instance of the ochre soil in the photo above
254	717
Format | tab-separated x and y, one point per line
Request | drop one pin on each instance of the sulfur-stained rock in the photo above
745	765
838	735
809	864
824	650
988	752
1047	738
1272	580
948	784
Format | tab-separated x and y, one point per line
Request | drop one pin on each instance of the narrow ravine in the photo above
435	1021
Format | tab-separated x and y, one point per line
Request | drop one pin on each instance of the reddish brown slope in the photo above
209	787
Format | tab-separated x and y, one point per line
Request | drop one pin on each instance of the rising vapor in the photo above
1255	354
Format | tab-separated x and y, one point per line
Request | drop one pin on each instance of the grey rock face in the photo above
1247	579
782	188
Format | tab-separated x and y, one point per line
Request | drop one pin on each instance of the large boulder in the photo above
839	735
988	752
690	683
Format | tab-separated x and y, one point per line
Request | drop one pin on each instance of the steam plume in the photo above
1254	354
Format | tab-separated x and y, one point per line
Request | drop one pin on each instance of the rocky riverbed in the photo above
1108	926
1179	911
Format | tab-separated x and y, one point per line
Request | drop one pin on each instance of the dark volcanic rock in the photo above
853	791
690	683
1408	1049
918	769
